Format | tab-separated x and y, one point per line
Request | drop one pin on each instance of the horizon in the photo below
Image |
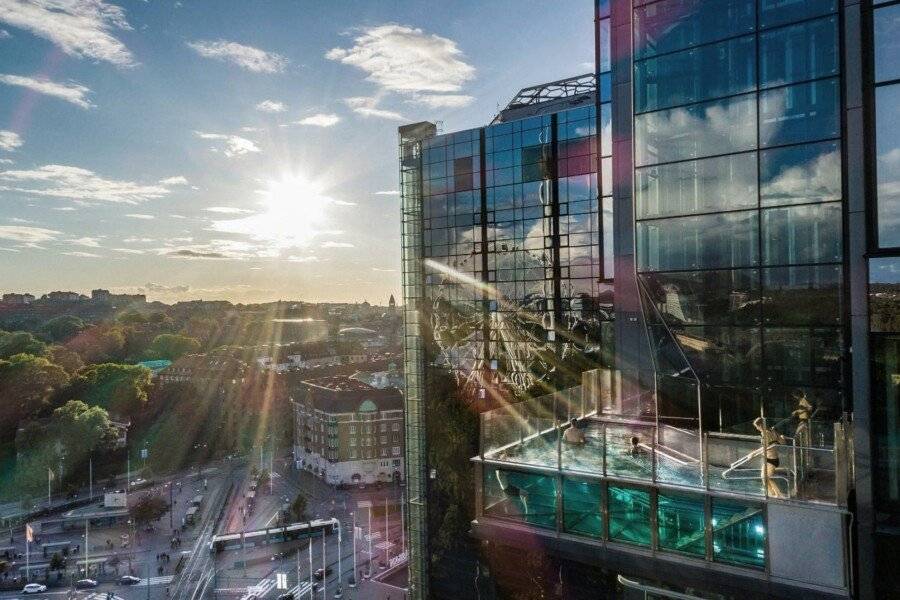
116	173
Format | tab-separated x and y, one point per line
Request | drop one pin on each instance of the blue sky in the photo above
241	150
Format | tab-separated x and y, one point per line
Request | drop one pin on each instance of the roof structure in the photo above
547	97
340	394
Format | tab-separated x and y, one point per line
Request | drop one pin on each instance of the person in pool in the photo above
574	435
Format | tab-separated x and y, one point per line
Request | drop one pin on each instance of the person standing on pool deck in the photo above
770	438
574	435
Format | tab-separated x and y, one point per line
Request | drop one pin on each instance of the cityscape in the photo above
474	300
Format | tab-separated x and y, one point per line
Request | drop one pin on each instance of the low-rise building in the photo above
348	432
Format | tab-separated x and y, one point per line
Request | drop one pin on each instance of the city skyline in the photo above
116	173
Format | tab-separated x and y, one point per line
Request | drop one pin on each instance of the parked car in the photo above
34	588
82	584
288	596
320	574
129	580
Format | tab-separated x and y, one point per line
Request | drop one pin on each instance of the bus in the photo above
191	515
197	501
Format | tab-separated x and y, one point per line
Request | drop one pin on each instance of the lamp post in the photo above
340	584
352	581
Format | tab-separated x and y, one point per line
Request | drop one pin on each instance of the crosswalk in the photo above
260	589
102	596
162	580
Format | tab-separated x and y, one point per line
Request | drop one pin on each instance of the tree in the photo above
98	344
57	562
68	360
81	428
27	383
171	346
20	342
148	508
62	328
298	508
120	389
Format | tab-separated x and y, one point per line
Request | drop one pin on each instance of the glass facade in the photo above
738	200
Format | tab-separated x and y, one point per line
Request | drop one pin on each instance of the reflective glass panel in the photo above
527	497
693	131
675	24
884	294
796	356
810	233
629	515
780	12
681	522
800	174
722	69
721	354
805	51
886	409
887	43
727	297
799	113
808	295
698	186
887	151
581	507
739	534
704	242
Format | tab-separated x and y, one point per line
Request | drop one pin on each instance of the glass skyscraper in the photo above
652	332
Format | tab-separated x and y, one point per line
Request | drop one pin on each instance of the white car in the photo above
34	588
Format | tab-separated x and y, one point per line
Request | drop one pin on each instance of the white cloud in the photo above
140	216
368	107
128	250
234	144
9	140
80	28
88	242
74	183
138	240
28	235
303	259
227	210
6	161
70	92
82	254
388	193
4	34
318	120
380	270
271	106
443	100
246	57
337	245
65	208
176	180
407	60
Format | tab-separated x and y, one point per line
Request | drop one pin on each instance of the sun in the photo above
294	211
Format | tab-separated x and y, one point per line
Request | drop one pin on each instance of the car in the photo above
129	580
86	583
288	596
319	574
34	588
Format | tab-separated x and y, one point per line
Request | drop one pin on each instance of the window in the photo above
802	295
726	297
703	242
698	130
382	427
581	508
395	437
799	52
352	441
518	496
779	12
384	452
799	113
395	427
352	429
887	42
722	69
697	186
739	534
629	515
802	234
675	24
886	417
800	174
884	294
887	148
384	439
681	522
395	450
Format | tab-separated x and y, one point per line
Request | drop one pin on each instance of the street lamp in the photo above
352	581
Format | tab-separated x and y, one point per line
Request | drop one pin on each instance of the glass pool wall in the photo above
722	530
